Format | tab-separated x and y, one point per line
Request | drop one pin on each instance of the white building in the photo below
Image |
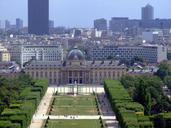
41	53
150	53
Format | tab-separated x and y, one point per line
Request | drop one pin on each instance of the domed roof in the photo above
76	54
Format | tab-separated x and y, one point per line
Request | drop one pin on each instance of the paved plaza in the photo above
42	113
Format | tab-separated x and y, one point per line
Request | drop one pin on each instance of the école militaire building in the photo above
76	69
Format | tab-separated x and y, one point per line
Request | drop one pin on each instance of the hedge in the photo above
129	113
19	114
9	124
145	121
162	120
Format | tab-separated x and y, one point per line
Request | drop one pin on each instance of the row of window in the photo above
96	77
43	74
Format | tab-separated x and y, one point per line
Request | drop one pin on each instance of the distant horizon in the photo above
82	13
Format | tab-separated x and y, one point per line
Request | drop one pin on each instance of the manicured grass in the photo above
74	124
79	105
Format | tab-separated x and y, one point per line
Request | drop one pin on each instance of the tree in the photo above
147	90
167	81
148	104
164	70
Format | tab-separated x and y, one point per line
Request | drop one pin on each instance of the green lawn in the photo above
74	124
80	105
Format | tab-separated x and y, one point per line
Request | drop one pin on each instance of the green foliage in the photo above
148	103
15	106
125	108
167	81
164	70
19	100
147	90
9	124
5	124
162	120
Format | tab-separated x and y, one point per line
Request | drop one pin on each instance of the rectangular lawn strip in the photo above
74	124
73	101
79	105
74	111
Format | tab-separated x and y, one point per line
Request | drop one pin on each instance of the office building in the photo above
15	52
100	24
41	53
7	24
19	23
149	53
51	24
77	33
118	24
76	69
38	17
147	12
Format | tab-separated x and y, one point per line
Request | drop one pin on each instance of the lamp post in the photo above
75	88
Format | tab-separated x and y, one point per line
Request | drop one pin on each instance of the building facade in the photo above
100	24
19	23
15	52
118	24
51	24
7	25
76	69
147	12
41	53
4	54
149	53
38	17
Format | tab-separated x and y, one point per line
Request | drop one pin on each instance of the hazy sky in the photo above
81	13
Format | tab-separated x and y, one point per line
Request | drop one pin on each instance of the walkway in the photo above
106	111
75	117
42	109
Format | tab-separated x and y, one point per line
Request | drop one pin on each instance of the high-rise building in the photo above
38	17
0	24
147	12
100	24
77	33
7	24
51	24
19	23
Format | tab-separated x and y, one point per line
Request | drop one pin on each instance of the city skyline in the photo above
66	13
